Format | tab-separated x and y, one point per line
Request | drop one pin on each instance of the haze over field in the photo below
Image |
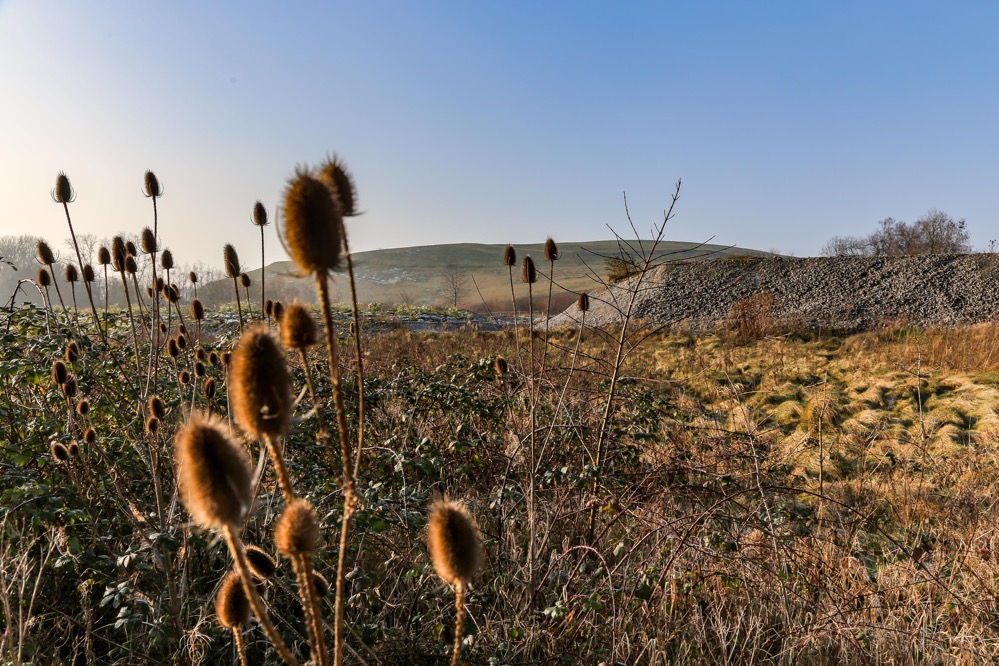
788	122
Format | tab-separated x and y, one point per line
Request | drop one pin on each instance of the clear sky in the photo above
789	122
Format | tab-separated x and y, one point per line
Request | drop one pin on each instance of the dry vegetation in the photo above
627	496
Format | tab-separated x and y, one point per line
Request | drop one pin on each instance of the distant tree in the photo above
934	233
454	284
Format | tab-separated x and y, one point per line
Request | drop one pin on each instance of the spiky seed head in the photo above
213	473
584	302
193	277
118	253
278	311
260	386
298	328
172	348
509	256
199	353
88	273
335	175
153	188
73	448
59	451
158	285
213	358
268	307
182	341
72	351
209	388
69	388
156	407
500	367
44	279
45	254
199	369
70	274
259	215
182	329
131	249
59	372
297	529
163	328
90	436
262	565
551	250
184	377
173	293
148	241
83	407
166	260
312	225
226	358
63	192
529	273
244	280
232	605
231	260
453	540
130	266
197	309
149	292
103	256
152	425
320	584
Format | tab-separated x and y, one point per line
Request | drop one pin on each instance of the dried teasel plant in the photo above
456	553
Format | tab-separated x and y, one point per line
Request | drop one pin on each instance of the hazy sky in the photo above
502	121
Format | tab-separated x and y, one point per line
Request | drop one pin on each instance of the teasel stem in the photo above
531	487
239	307
79	259
76	310
548	318
459	622
516	319
263	271
359	355
279	467
323	433
135	334
243	569
237	637
310	602
349	499
249	308
106	295
58	291
138	298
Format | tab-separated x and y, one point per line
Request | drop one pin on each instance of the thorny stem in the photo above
311	604
239	308
263	273
359	359
459	622
279	467
79	259
237	636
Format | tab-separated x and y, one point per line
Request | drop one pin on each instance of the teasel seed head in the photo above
173	349
231	260
259	215
44	279
45	254
200	354
69	388
262	565
172	293
90	436
199	369
148	241
156	407
197	309
213	358
131	249
320	584
551	250
192	277
584	302
166	260
500	367
130	266
83	407
59	372
163	328
335	175
509	256
70	274
88	273
226	358
297	530
260	386
149	292
73	448
184	377
298	328
118	253
278	311
213	473
63	192
152	425
209	388
232	605
529	274
72	351
158	285
453	540
153	187
103	256
244	280
312	225
181	341
59	451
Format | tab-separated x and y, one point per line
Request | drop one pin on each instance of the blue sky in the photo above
789	122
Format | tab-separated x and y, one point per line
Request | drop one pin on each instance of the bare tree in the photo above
934	233
454	284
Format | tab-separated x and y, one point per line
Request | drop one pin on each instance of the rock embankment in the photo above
841	293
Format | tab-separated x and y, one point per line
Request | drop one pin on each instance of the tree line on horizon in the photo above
933	233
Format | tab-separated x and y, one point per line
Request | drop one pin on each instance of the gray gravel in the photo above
842	293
